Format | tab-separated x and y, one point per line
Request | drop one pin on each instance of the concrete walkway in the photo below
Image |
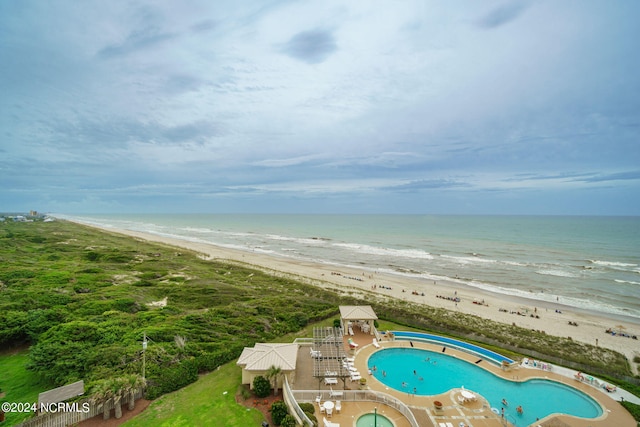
619	394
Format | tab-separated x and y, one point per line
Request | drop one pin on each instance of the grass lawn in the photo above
201	403
19	384
204	402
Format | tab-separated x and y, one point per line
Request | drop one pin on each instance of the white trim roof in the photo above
264	355
357	312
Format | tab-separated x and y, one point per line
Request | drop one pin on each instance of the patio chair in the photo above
328	423
330	381
375	343
338	406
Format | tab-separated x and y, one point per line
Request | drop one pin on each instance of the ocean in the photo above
590	263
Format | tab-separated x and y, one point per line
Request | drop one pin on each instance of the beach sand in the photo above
591	326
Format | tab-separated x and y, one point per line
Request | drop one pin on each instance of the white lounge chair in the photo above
338	406
375	343
330	381
328	423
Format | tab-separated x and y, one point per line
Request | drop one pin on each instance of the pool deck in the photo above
475	414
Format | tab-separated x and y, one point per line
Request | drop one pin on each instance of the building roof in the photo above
61	394
262	356
357	312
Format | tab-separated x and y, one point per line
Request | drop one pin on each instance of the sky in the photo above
437	107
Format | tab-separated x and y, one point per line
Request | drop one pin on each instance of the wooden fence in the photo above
66	418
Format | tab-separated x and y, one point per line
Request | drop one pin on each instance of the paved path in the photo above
618	395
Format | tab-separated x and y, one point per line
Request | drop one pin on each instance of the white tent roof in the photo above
262	356
357	312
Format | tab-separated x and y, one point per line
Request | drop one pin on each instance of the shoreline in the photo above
554	318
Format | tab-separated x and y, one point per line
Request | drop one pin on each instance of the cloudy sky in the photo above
467	107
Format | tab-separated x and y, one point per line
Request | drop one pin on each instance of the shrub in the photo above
166	380
261	386
245	393
278	411
336	323
307	407
288	421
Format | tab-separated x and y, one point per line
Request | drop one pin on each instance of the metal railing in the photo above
355	396
292	404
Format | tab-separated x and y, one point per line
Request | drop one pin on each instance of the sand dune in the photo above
554	319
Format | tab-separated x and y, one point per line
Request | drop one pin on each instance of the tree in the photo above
273	374
261	386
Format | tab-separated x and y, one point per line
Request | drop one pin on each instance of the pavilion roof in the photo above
357	312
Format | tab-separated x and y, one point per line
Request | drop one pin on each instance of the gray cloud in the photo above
195	132
620	176
428	184
312	47
136	41
202	100
203	26
502	15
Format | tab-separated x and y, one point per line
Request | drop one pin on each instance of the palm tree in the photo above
110	392
273	373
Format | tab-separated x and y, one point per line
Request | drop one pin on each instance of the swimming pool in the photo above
367	420
425	372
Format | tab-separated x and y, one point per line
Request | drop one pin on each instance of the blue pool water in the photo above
437	373
367	420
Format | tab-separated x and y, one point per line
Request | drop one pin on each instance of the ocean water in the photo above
590	263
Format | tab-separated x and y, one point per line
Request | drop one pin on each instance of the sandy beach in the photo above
554	319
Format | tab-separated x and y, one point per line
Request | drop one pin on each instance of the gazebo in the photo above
361	316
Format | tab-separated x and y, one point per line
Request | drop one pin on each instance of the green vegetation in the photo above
84	299
19	384
261	386
209	401
278	411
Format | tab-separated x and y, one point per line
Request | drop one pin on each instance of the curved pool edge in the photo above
358	422
454	343
612	411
